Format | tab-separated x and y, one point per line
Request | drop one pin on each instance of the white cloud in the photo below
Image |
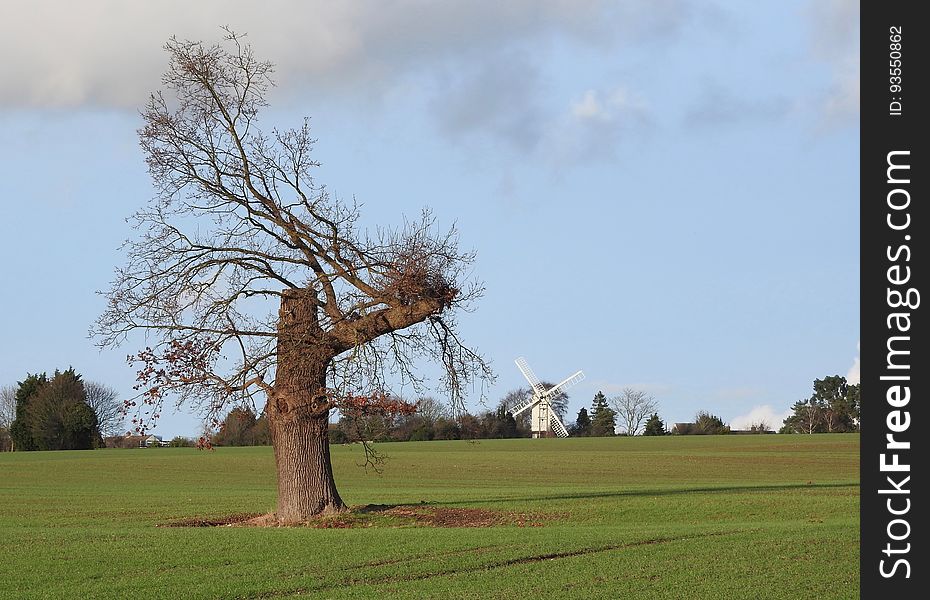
500	99
480	69
835	40
607	107
852	376
842	99
717	106
106	53
836	27
763	413
588	107
594	126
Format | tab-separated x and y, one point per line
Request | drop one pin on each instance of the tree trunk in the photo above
298	413
306	487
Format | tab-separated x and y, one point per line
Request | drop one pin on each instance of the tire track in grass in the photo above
409	559
496	565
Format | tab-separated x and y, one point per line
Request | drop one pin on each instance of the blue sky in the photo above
663	194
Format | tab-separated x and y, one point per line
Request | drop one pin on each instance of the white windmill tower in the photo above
544	420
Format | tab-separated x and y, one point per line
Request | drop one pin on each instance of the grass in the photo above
716	517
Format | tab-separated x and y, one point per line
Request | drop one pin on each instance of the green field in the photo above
773	516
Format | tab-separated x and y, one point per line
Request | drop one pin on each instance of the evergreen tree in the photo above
654	426
708	424
19	429
837	404
237	428
58	416
854	397
603	418
833	407
53	414
582	427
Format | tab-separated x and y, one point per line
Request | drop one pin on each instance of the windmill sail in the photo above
528	403
567	383
530	376
557	425
544	421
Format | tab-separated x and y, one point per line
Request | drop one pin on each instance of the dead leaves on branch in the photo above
176	365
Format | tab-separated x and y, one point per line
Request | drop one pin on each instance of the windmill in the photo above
544	422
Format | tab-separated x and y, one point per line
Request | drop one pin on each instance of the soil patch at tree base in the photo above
228	520
380	515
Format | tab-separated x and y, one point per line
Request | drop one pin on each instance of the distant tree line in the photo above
61	412
243	427
432	421
64	412
833	407
704	423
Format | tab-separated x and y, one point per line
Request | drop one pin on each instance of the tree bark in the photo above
298	413
306	487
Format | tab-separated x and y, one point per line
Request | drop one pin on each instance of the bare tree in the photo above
431	409
510	402
515	398
807	417
633	407
239	223
110	410
7	405
760	426
7	415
